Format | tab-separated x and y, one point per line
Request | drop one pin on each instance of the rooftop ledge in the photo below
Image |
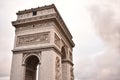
36	9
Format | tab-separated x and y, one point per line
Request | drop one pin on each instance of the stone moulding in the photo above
33	19
34	26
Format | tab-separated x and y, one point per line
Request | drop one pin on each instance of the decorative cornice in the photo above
36	49
33	19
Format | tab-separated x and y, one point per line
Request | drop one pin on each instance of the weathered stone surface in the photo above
36	38
43	46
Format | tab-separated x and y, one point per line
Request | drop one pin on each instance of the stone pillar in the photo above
17	68
64	71
39	71
23	71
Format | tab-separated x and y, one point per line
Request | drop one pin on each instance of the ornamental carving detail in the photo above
58	73
71	73
57	41
70	55
33	39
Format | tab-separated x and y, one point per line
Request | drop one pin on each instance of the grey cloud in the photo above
106	20
6	39
107	23
107	66
104	66
5	66
4	78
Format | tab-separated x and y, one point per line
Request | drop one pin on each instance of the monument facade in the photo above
43	46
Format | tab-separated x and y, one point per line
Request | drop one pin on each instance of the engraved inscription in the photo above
33	38
57	40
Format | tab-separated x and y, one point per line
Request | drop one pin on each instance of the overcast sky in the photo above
94	24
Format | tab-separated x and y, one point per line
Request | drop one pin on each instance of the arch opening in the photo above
31	67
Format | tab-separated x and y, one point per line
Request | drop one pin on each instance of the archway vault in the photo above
27	56
31	63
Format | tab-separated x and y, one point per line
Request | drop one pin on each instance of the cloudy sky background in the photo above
94	24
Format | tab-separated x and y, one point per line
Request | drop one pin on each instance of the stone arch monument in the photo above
43	46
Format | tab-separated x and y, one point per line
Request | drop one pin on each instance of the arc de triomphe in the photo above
43	46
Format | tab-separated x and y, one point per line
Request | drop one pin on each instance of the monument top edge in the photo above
36	9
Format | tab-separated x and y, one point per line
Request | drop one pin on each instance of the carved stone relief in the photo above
33	39
58	70
71	73
57	41
35	26
70	55
66	51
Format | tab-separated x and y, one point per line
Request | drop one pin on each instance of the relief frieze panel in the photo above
36	38
57	40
